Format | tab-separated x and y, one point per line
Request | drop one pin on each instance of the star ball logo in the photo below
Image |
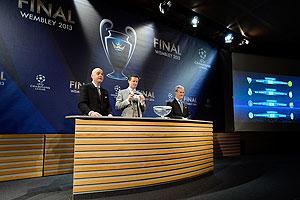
2	79
201	59
202	54
170	97
40	78
116	89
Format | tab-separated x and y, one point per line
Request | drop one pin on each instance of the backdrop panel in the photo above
48	48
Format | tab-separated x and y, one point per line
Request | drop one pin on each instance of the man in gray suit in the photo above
130	101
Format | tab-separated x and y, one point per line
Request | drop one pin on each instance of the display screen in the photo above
263	98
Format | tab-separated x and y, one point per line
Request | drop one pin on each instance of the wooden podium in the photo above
115	153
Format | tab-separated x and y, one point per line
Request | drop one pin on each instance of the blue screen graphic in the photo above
265	101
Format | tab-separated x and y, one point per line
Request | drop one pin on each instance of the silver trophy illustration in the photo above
118	47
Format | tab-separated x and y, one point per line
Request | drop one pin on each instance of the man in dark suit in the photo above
93	99
179	109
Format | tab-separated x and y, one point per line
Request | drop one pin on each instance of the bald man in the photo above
93	99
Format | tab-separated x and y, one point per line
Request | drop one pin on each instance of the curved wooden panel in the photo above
140	146
21	156
103	154
120	154
139	183
105	160
59	154
127	134
141	123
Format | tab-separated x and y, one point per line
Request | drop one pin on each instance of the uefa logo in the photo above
170	96
40	86
201	59
116	89
40	78
202	54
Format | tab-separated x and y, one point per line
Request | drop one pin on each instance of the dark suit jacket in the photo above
176	111
89	100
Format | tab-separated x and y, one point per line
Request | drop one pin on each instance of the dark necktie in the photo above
135	104
99	92
181	105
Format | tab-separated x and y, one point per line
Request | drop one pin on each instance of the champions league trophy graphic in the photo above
118	47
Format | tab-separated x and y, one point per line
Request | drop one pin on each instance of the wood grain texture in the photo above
59	154
21	156
116	154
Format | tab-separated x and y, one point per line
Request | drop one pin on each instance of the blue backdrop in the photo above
48	49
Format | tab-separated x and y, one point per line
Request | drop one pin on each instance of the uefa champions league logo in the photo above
117	88
118	47
201	59
170	96
40	78
40	83
202	54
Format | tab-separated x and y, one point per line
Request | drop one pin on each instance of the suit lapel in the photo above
177	105
95	91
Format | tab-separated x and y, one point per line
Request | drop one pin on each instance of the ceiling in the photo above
264	22
270	26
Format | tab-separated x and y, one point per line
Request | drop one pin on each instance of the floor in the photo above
245	177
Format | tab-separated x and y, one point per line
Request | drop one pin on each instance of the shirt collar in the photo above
95	85
131	90
178	100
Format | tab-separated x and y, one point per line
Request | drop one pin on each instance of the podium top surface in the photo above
118	118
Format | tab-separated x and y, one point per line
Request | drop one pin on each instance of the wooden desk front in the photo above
121	153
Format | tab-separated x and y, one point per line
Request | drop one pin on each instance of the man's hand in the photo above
95	114
142	98
130	97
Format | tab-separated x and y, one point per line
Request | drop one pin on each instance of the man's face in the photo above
97	75
179	93
133	82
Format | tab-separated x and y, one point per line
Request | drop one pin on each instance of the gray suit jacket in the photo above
127	107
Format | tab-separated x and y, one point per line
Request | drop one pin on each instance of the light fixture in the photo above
165	6
195	21
244	41
228	38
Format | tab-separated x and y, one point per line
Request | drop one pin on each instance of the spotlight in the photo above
244	41
228	38
165	6
195	21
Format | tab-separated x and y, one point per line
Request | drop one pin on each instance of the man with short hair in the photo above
131	101
179	108
93	99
